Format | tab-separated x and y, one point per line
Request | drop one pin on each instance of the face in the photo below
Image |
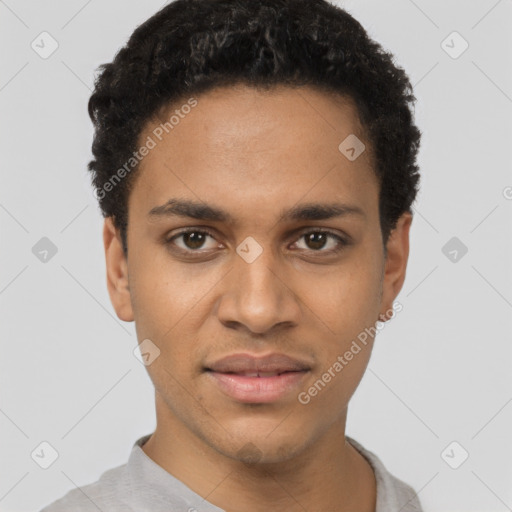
252	235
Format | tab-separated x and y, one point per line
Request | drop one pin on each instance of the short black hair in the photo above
192	46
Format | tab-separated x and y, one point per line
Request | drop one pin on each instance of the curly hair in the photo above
192	46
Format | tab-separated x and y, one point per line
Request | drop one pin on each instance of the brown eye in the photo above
321	242
316	240
194	239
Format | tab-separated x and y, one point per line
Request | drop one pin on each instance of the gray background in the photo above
440	372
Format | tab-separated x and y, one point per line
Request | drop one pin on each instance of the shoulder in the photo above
392	493
104	494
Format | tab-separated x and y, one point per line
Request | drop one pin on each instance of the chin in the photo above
256	454
262	446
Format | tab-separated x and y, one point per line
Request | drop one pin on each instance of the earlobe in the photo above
117	272
395	265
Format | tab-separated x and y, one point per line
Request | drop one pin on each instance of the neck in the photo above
328	475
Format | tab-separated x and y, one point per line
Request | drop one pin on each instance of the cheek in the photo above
348	302
165	296
350	310
169	307
348	299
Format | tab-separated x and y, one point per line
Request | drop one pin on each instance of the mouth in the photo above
256	374
249	379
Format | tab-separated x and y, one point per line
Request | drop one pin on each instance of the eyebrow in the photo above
192	209
319	211
203	211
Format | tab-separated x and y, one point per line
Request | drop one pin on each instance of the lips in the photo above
259	374
249	379
251	366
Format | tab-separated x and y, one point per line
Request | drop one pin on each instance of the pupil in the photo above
318	240
194	240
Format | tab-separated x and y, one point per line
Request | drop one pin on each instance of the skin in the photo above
255	154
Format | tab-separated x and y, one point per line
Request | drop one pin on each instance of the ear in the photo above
117	272
395	265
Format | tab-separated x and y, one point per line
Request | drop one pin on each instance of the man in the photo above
255	162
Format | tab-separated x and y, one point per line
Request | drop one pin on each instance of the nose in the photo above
258	296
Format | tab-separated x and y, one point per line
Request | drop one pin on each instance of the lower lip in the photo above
257	389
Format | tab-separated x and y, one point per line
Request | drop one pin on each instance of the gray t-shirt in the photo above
141	485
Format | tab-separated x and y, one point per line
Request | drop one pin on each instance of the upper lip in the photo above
243	362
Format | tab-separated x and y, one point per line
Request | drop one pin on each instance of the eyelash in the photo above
341	241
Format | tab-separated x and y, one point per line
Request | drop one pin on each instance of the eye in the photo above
192	240
322	241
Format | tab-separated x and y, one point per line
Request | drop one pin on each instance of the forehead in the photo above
239	145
